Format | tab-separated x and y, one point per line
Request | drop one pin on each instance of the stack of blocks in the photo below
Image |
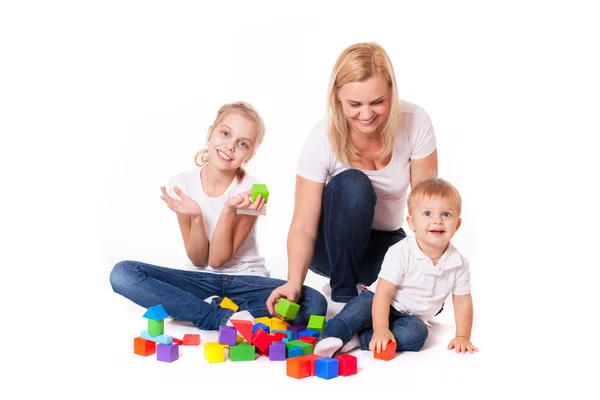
153	340
280	341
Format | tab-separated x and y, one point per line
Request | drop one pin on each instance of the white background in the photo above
101	102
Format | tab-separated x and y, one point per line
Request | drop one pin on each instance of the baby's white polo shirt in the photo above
421	286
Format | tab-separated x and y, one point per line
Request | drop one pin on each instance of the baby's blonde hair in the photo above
245	110
434	187
358	63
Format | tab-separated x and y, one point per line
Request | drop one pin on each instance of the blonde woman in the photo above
219	239
353	177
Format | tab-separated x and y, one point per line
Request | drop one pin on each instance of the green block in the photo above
316	323
259	188
156	328
287	309
307	348
242	352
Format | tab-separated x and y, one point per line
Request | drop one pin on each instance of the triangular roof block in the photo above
156	313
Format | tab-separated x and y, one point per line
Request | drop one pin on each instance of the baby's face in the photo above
435	221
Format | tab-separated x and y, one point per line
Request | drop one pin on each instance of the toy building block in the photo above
316	323
287	334
262	340
327	368
312	358
227	303
178	341
143	347
262	326
263	353
259	188
298	367
295	351
191	339
156	328
388	353
167	352
286	308
163	339
309	332
296	329
307	348
242	352
277	351
227	335
348	364
239	339
244	328
156	313
278	324
214	352
309	339
264	320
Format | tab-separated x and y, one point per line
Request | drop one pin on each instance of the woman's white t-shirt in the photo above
246	260
415	140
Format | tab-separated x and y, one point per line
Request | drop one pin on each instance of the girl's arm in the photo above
232	228
423	168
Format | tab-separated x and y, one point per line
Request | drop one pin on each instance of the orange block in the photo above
143	347
388	353
191	339
298	367
244	328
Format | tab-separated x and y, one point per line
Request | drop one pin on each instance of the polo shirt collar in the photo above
450	259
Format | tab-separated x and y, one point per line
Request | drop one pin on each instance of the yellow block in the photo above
265	320
227	303
276	323
239	339
214	352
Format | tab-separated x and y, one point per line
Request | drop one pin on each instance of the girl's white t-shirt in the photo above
415	140
246	260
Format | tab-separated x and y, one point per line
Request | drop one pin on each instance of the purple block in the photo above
167	352
227	335
277	351
296	328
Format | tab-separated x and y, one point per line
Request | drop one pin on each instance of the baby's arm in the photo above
381	315
463	314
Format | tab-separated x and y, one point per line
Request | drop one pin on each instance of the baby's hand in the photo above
380	340
243	201
462	345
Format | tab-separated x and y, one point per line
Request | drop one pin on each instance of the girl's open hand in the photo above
243	201
185	206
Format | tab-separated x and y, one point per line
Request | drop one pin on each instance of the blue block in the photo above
309	332
327	368
163	339
262	326
295	352
156	313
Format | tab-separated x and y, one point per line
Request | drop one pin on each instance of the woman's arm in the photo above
303	229
423	168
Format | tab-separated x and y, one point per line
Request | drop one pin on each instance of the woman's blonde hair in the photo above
358	63
245	110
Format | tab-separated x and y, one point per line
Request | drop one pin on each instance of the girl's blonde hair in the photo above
358	63
432	188
245	110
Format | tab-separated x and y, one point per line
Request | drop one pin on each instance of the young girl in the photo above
219	241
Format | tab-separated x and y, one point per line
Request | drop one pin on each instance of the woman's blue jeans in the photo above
347	250
356	317
182	293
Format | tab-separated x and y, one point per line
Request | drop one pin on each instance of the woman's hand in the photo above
185	206
289	290
243	201
380	340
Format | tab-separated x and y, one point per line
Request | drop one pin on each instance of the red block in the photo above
279	335
388	353
313	362
309	339
143	347
244	328
262	340
178	341
191	339
348	364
